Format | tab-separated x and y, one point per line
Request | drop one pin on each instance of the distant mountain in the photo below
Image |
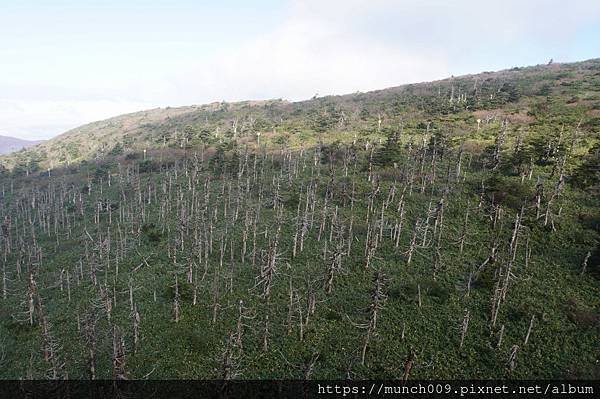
12	144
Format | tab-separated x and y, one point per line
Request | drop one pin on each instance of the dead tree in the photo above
243	315
2	353
265	333
333	258
352	201
4	281
500	336
555	194
539	194
228	363
311	299
50	348
464	327
378	299
512	253
498	146
397	232
90	337
496	301
408	365
529	330
118	358
32	294
293	303
135	319
512	358
309	366
465	229
584	264
176	301
413	242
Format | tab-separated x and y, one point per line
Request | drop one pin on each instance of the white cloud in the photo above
42	119
341	46
313	50
291	65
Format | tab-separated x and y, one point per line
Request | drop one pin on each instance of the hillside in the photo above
13	144
441	230
565	93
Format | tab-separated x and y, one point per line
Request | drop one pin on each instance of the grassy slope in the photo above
564	338
558	93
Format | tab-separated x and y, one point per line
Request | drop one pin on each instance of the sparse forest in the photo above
439	230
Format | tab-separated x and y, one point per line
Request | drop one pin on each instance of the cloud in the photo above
42	119
313	50
337	47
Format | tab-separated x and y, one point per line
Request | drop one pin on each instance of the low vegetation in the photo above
440	230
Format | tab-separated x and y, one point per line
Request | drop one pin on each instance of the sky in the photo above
64	63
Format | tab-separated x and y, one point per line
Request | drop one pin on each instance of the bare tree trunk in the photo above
464	327
529	330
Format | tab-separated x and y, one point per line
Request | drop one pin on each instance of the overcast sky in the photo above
65	63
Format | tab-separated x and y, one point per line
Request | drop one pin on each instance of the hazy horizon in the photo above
69	63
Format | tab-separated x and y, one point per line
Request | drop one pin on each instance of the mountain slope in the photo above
446	230
12	144
522	95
